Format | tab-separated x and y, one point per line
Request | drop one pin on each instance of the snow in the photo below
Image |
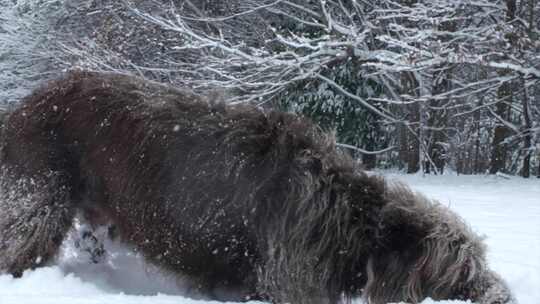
506	211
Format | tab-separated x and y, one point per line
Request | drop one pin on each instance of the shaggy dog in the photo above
245	203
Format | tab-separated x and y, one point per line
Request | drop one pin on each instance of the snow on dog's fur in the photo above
429	250
245	203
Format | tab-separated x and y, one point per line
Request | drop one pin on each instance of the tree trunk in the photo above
409	86
504	94
526	169
510	10
413	162
459	164
527	142
498	147
423	158
530	29
438	118
538	173
437	149
403	153
476	116
498	151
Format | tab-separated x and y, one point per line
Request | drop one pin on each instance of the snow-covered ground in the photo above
507	212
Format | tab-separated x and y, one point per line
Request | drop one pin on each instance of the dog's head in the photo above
426	250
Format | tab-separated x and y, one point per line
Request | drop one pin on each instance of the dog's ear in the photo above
405	218
399	229
391	272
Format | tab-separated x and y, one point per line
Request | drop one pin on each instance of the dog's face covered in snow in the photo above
428	251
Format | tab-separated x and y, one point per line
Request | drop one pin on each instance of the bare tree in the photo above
27	48
454	79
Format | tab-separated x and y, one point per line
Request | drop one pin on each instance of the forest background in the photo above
422	86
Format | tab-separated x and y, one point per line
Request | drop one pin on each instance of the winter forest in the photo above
118	189
421	86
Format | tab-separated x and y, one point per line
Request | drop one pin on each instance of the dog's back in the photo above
117	148
178	176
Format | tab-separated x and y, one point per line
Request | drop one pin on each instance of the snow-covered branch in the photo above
435	79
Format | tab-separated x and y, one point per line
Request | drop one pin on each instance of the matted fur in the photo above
245	203
436	255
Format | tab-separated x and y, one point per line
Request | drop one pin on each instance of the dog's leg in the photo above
89	243
36	208
33	224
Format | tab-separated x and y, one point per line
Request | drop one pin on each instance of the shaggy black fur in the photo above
245	203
